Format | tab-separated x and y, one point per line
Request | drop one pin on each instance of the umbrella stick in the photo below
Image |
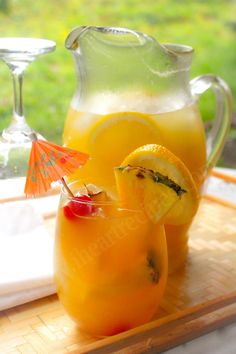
67	188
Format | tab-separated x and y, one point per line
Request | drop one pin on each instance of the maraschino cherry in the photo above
79	206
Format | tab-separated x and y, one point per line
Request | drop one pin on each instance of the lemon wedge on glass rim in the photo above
154	179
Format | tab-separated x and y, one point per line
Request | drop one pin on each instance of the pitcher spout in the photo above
72	40
107	35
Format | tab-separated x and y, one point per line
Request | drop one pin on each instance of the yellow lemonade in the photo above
110	266
113	136
109	138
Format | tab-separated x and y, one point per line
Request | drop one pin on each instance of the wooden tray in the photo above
198	299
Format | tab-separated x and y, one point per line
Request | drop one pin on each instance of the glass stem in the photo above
18	114
18	131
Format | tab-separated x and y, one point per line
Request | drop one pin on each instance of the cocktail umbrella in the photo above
48	163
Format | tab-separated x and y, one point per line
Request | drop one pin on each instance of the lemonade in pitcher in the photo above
109	138
134	91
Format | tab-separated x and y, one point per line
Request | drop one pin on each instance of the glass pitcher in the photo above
133	91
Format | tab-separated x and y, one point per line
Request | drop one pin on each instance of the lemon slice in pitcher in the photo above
153	178
121	133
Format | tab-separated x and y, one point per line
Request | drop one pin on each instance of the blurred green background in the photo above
209	26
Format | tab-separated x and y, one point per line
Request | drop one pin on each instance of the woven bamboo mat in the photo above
207	283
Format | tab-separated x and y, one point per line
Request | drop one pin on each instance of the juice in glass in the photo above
110	264
110	137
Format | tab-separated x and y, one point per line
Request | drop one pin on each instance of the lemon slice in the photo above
155	179
117	134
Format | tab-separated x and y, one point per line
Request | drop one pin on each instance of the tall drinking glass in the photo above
110	263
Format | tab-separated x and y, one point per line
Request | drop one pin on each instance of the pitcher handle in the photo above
223	116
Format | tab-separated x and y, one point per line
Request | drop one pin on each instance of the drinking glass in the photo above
110	265
15	140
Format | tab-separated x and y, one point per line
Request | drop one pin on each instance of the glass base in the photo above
18	134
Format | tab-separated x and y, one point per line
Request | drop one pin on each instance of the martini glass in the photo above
16	139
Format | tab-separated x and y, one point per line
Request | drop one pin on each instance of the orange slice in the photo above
153	178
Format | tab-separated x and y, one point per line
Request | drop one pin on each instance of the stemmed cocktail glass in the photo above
15	140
